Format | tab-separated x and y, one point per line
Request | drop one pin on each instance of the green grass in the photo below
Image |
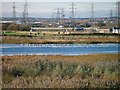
14	37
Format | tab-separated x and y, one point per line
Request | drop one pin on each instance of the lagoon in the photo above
57	49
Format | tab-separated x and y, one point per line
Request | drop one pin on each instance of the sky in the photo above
60	0
48	8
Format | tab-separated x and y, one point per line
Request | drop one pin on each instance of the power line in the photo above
111	14
73	14
62	15
116	10
92	12
62	12
14	12
73	11
118	14
25	13
92	15
58	15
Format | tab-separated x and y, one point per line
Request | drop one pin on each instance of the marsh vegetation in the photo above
61	71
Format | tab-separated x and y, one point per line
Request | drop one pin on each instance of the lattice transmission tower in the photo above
73	14
25	13
14	12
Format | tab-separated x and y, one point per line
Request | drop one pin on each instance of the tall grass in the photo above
47	73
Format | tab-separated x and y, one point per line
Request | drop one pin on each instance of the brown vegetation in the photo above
15	27
41	71
60	39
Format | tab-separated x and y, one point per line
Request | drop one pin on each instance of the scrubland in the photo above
41	71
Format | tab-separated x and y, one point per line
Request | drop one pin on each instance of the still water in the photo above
57	49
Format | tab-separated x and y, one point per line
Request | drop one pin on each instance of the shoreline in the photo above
64	43
88	57
57	54
60	40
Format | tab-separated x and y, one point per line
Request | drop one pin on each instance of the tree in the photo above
101	24
13	26
5	25
23	27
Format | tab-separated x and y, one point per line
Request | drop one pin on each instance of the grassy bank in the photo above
60	39
47	37
41	71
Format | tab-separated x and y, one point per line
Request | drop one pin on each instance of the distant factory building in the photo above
115	30
6	21
102	30
16	22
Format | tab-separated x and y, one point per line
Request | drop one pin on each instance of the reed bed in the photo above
40	71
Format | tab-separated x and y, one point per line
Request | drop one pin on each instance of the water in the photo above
57	49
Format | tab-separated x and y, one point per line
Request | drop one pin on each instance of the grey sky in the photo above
47	9
60	0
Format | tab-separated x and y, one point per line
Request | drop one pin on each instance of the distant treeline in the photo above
96	34
15	27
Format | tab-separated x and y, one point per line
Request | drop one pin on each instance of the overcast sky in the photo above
60	0
48	9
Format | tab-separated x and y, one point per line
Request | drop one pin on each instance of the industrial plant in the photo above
60	22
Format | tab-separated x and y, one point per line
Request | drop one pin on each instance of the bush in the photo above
112	69
40	66
101	24
99	68
23	27
29	71
7	78
69	69
5	26
85	70
17	71
58	69
13	26
16	27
